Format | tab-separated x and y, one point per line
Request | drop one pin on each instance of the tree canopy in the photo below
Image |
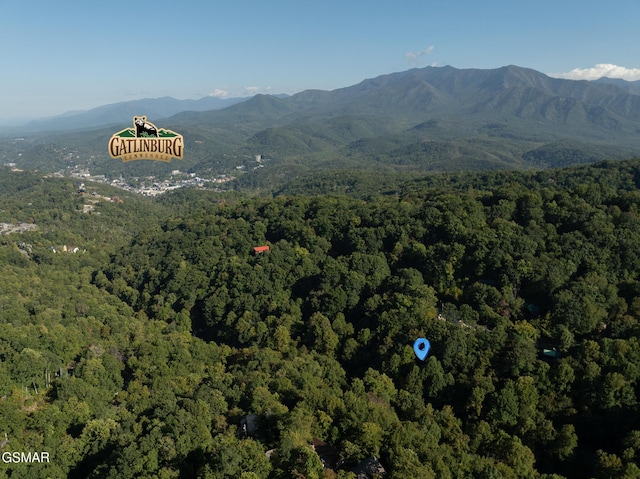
167	347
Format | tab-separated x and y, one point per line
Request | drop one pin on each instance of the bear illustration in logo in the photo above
144	128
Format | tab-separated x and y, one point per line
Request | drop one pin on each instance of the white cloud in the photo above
254	90
414	57
219	93
600	70
239	92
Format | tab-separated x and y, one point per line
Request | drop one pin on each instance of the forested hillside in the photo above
170	348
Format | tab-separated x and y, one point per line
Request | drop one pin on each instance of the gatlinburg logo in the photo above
145	141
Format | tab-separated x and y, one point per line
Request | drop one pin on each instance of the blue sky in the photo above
73	55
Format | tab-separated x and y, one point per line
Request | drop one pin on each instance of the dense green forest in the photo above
165	347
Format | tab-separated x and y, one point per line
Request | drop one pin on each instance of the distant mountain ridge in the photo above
467	90
117	112
509	108
629	86
446	92
427	119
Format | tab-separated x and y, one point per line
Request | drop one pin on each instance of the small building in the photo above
369	468
248	425
551	353
329	455
260	249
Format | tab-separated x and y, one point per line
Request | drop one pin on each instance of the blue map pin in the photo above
421	348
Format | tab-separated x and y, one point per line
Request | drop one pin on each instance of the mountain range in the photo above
433	118
113	113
